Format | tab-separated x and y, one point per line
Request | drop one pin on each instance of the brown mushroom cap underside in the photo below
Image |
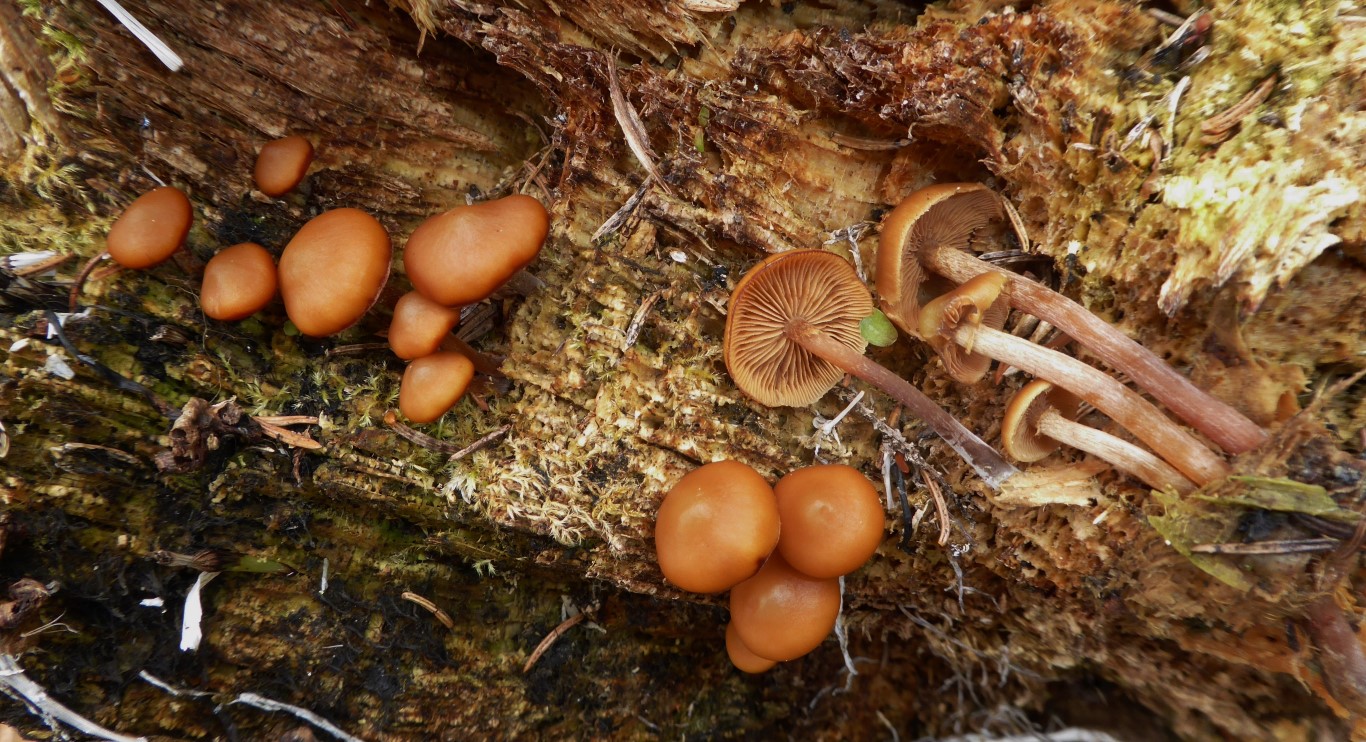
814	286
977	303
944	215
1019	427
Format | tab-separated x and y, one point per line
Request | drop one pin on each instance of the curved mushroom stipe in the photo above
792	333
1121	403
942	250
1040	417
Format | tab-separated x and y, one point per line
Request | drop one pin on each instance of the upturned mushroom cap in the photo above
432	385
281	165
741	656
812	285
151	228
238	282
781	614
716	527
333	270
1019	434
832	519
945	214
419	325
977	303
463	255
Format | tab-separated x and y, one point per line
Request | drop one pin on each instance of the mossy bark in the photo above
773	126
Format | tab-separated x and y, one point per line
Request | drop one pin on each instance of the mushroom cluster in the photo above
780	550
337	265
793	331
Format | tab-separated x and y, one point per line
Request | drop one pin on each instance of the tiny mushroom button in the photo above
832	519
781	614
238	282
281	165
716	527
432	385
465	254
419	325
333	270
151	228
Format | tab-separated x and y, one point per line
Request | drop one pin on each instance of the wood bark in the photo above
766	127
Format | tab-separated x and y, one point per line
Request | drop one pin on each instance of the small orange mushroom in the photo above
151	228
832	519
716	527
465	254
238	282
432	385
744	659
781	614
333	270
420	325
281	165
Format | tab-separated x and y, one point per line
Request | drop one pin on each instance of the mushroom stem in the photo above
1121	403
1116	452
989	465
483	362
1227	427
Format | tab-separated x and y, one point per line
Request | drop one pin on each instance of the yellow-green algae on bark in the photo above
616	384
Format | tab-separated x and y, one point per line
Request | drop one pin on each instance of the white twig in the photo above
12	676
191	631
158	47
177	692
266	704
322	584
827	428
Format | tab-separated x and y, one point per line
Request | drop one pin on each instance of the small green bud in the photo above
877	329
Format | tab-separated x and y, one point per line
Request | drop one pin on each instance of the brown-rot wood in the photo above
773	126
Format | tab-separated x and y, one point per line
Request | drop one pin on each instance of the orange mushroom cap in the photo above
281	165
781	614
433	384
832	519
716	527
151	228
333	270
465	254
238	282
742	657
419	325
1019	426
976	303
945	214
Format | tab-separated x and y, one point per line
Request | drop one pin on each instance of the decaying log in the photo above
768	126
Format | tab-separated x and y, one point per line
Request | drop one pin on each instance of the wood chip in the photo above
633	127
1219	127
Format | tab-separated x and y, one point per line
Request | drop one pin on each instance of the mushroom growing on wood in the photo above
333	270
781	614
931	229
715	527
465	254
832	519
238	282
419	325
744	658
955	318
1041	416
281	165
792	332
151	228
432	385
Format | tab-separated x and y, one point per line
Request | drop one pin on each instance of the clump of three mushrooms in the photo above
780	550
456	258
